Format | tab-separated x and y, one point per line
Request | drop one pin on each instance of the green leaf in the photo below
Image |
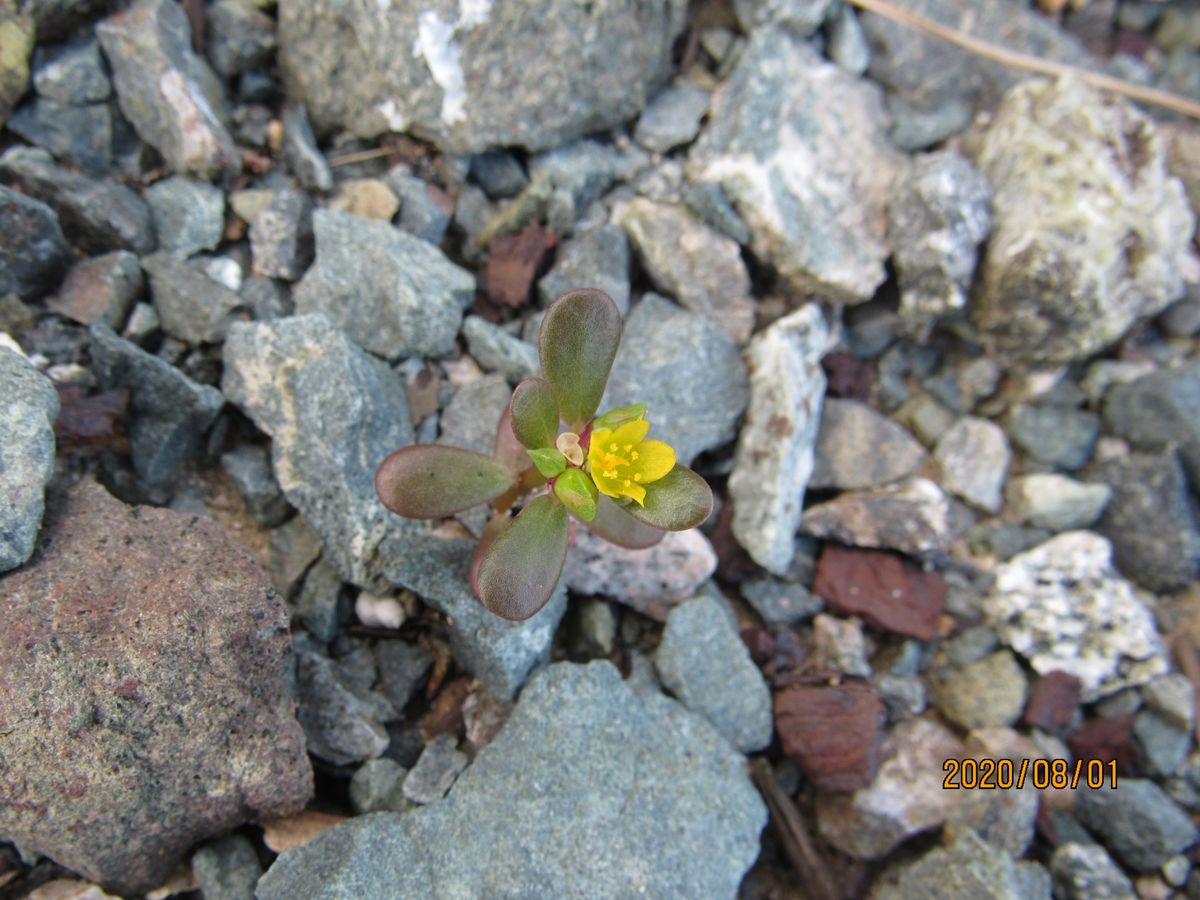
577	493
679	500
548	461
534	413
615	418
506	448
618	527
517	574
429	481
578	341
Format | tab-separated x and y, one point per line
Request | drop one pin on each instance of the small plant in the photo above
603	471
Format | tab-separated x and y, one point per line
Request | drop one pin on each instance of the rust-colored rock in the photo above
848	376
143	699
513	263
1107	739
1053	704
833	733
90	423
882	589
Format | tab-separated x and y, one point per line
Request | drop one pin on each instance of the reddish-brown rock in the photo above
833	733
1107	739
1053	704
143	698
513	263
882	589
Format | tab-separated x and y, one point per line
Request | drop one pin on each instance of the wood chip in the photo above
292	831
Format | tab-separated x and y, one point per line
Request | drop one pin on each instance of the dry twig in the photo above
796	841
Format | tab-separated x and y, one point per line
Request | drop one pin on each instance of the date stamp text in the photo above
1002	774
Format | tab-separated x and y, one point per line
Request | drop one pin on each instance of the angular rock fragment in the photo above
972	458
858	448
883	589
100	290
833	733
192	307
912	517
33	251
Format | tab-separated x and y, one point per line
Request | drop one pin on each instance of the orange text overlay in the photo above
1002	774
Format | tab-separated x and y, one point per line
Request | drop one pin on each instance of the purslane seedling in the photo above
602	470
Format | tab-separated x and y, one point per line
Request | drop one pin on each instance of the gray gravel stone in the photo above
342	724
281	236
709	202
99	215
83	136
783	115
598	258
473	413
499	173
333	414
320	606
1160	408
227	869
774	457
1150	520
704	663
71	73
987	694
402	667
1164	744
189	215
686	259
27	413
968	867
377	785
167	92
781	603
858	448
1003	818
102	289
394	294
249	468
439	765
672	118
497	350
1076	174
848	45
1056	501
421	214
1173	698
972	459
1087	872
1059	436
33	252
169	413
592	773
191	306
238	36
301	152
838	645
801	16
939	214
665	353
478	77
1139	823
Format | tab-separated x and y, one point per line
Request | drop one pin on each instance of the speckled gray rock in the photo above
686	259
189	215
27	413
33	251
470	418
703	662
281	236
392	293
191	306
858	448
972	459
672	118
1160	408
1087	872
333	414
987	694
774	457
301	151
100	289
498	652
320	606
665	353
781	603
1056	501
422	214
71	73
968	867
438	766
249	468
1163	744
1138	822
168	93
1003	818
497	350
912	517
597	258
342	722
939	214
839	645
781	116
402	669
1061	436
238	36
169	413
100	215
848	45
478	77
1150	520
592	772
802	16
1063	607
227	869
1089	231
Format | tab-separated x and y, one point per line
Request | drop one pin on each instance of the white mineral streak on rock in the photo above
435	42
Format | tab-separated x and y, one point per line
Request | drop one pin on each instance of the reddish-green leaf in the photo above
678	501
507	449
534	413
577	493
428	481
618	527
495	527
578	341
518	572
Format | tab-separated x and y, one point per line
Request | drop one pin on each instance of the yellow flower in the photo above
622	462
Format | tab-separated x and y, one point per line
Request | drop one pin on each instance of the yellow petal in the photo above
608	486
636	491
655	460
629	433
595	450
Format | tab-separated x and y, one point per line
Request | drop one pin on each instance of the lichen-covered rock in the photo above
479	75
614	794
28	408
774	457
784	115
1089	231
967	867
143	696
16	44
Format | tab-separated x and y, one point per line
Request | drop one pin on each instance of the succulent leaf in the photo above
534	413
506	448
617	526
577	493
517	574
549	461
578	342
678	501
429	481
615	418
